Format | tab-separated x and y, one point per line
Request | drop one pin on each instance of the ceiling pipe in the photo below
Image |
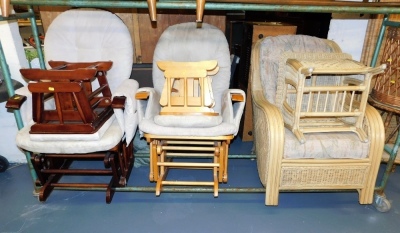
200	4
5	8
152	9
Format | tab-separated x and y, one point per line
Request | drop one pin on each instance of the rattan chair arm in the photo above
269	136
376	135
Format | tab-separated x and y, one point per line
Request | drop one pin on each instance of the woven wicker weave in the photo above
278	173
325	92
387	85
385	94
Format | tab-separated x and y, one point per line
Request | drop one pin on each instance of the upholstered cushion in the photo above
128	117
148	126
186	43
272	61
74	137
325	145
88	35
187	121
110	138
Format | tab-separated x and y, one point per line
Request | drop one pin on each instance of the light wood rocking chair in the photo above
190	113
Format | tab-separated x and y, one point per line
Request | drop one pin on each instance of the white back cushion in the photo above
186	43
88	35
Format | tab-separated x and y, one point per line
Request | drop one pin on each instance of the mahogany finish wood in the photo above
78	108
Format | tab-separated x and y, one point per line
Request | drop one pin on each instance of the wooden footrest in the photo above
191	183
188	165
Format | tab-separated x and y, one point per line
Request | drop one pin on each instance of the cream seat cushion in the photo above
325	146
110	138
74	137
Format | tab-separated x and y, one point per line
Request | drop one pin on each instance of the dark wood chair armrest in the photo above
118	102
15	101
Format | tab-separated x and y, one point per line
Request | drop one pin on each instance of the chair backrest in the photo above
271	60
187	43
90	35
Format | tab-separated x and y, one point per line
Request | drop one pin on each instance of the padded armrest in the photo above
148	103
125	107
233	103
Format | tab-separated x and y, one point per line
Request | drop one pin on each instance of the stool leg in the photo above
215	176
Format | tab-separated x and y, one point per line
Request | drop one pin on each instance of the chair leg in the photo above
52	167
125	162
215	175
129	156
48	187
220	160
160	173
225	163
110	191
161	164
110	160
36	161
271	199
159	184
153	176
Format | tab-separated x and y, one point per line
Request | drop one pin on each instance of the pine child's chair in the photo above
190	111
323	160
75	116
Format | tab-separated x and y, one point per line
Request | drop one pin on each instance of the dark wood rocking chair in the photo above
78	110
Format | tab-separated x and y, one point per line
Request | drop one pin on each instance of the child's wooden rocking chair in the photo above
187	88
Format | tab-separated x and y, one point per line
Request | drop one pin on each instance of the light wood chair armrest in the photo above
237	97
142	95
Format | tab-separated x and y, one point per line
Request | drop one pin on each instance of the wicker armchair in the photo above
326	160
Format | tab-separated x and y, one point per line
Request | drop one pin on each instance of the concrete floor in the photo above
84	211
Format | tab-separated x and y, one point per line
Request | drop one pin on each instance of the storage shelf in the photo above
228	5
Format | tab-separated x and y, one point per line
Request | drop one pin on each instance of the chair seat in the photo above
325	146
110	138
148	126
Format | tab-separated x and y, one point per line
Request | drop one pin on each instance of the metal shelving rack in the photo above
386	8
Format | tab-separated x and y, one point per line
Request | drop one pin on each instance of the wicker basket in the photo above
387	85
